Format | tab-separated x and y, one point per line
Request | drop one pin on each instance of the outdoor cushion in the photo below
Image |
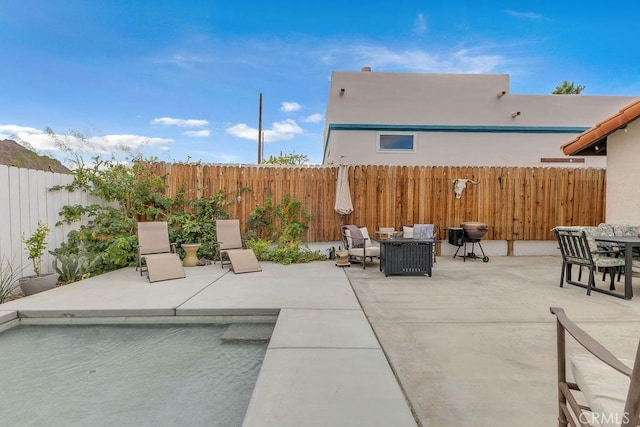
243	261
372	251
356	242
624	230
407	232
424	231
604	388
164	267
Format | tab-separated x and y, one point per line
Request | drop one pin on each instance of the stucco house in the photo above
617	138
454	120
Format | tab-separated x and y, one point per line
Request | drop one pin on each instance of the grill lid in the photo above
474	225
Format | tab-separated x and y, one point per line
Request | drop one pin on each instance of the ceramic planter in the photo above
34	284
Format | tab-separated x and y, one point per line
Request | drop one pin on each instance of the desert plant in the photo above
35	246
9	275
72	267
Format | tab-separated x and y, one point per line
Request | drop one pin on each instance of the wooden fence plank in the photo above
517	203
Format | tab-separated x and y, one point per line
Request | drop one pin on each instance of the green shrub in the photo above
261	247
275	232
199	226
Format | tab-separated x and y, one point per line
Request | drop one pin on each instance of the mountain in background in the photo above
14	154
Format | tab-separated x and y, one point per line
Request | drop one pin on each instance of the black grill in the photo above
468	232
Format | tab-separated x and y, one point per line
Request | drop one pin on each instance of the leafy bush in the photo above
283	224
132	191
261	247
199	226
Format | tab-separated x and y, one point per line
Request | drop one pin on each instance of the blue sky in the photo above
180	80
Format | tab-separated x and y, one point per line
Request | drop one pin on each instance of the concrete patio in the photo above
472	345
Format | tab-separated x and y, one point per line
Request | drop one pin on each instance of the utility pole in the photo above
260	130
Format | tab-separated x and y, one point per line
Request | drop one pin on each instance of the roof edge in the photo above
603	129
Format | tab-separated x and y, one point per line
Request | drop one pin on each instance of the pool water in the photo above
126	375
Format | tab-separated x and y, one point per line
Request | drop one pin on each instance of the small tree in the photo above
36	245
566	88
292	159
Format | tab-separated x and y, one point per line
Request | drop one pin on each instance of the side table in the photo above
191	250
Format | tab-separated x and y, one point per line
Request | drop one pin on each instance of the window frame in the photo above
379	148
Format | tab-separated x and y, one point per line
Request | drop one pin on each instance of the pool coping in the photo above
323	366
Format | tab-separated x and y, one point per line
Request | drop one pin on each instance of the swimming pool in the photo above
126	375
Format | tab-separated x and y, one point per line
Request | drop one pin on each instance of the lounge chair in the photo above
243	261
156	253
357	242
229	242
610	386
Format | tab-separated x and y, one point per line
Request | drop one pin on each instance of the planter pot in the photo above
33	284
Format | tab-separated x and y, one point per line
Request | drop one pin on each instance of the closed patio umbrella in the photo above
343	194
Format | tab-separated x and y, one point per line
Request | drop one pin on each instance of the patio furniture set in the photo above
407	252
610	386
158	257
609	247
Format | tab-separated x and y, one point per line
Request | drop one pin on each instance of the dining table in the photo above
627	243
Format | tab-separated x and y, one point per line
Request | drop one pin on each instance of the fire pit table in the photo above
399	255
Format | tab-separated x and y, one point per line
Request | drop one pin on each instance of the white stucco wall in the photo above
457	100
623	176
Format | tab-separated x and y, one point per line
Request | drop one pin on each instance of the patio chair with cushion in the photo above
578	247
156	255
229	242
609	386
426	232
357	242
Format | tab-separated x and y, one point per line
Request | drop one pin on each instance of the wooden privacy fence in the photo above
516	203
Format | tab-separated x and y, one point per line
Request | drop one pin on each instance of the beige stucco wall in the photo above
379	98
623	172
459	149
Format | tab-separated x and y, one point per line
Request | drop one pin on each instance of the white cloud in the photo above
289	107
525	15
197	133
459	61
241	130
12	131
183	123
132	142
185	60
280	131
314	118
106	144
420	24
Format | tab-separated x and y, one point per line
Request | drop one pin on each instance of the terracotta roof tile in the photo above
601	130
